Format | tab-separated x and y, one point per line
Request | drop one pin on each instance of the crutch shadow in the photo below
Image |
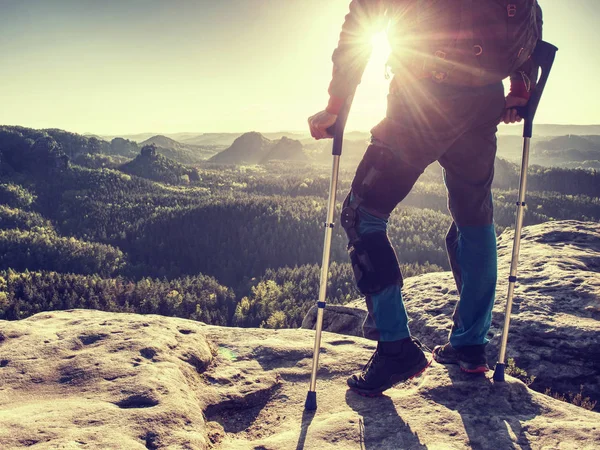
307	417
380	425
493	414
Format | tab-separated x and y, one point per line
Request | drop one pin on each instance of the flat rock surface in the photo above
555	322
84	379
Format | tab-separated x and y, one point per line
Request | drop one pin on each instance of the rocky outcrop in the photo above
254	148
90	379
249	148
346	320
555	322
286	149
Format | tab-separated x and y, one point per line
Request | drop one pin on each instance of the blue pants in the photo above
472	253
457	128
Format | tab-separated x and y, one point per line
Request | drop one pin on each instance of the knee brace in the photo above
374	263
372	256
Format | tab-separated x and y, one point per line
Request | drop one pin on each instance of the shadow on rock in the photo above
381	427
307	418
493	414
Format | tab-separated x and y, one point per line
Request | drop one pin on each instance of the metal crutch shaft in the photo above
543	55
337	130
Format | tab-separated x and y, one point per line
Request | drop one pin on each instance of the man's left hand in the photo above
510	112
319	123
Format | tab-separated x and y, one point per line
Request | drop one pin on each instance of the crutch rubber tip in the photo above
499	372
311	401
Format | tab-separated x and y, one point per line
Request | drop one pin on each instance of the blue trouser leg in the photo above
387	320
471	241
473	258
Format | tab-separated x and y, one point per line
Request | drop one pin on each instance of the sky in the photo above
132	66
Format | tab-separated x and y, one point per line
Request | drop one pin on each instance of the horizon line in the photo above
301	132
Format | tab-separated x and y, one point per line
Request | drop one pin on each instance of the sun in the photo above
370	102
381	47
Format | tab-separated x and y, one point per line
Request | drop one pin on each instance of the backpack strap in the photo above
511	13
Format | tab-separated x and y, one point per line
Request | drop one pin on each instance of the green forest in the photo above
86	223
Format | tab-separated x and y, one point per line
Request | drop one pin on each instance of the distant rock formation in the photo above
254	148
555	324
149	152
285	149
108	380
249	148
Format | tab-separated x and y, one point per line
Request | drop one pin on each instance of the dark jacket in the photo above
406	21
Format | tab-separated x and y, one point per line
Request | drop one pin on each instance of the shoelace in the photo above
421	345
371	365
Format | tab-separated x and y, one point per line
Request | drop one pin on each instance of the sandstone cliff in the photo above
97	380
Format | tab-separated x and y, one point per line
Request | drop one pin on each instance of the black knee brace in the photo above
374	263
373	258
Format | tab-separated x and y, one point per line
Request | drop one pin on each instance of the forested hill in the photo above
238	245
569	151
183	153
149	164
164	142
17	141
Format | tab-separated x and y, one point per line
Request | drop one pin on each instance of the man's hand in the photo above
510	113
319	123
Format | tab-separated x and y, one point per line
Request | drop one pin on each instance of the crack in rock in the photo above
88	339
137	401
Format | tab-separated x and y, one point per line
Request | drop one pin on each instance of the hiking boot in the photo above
392	363
470	358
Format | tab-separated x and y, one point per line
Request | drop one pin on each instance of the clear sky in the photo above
128	66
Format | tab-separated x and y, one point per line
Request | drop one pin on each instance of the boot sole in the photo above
389	384
478	369
465	367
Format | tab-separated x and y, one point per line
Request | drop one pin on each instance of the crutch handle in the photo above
543	55
337	129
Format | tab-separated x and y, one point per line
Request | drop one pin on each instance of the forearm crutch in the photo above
543	55
337	130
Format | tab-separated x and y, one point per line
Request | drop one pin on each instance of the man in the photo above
446	99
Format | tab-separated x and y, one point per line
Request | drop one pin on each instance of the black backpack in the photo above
465	42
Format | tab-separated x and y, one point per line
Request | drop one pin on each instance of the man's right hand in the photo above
319	123
510	112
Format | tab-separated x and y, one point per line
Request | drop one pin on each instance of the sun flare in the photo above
381	47
370	101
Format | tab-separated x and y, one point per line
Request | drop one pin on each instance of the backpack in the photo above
467	42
